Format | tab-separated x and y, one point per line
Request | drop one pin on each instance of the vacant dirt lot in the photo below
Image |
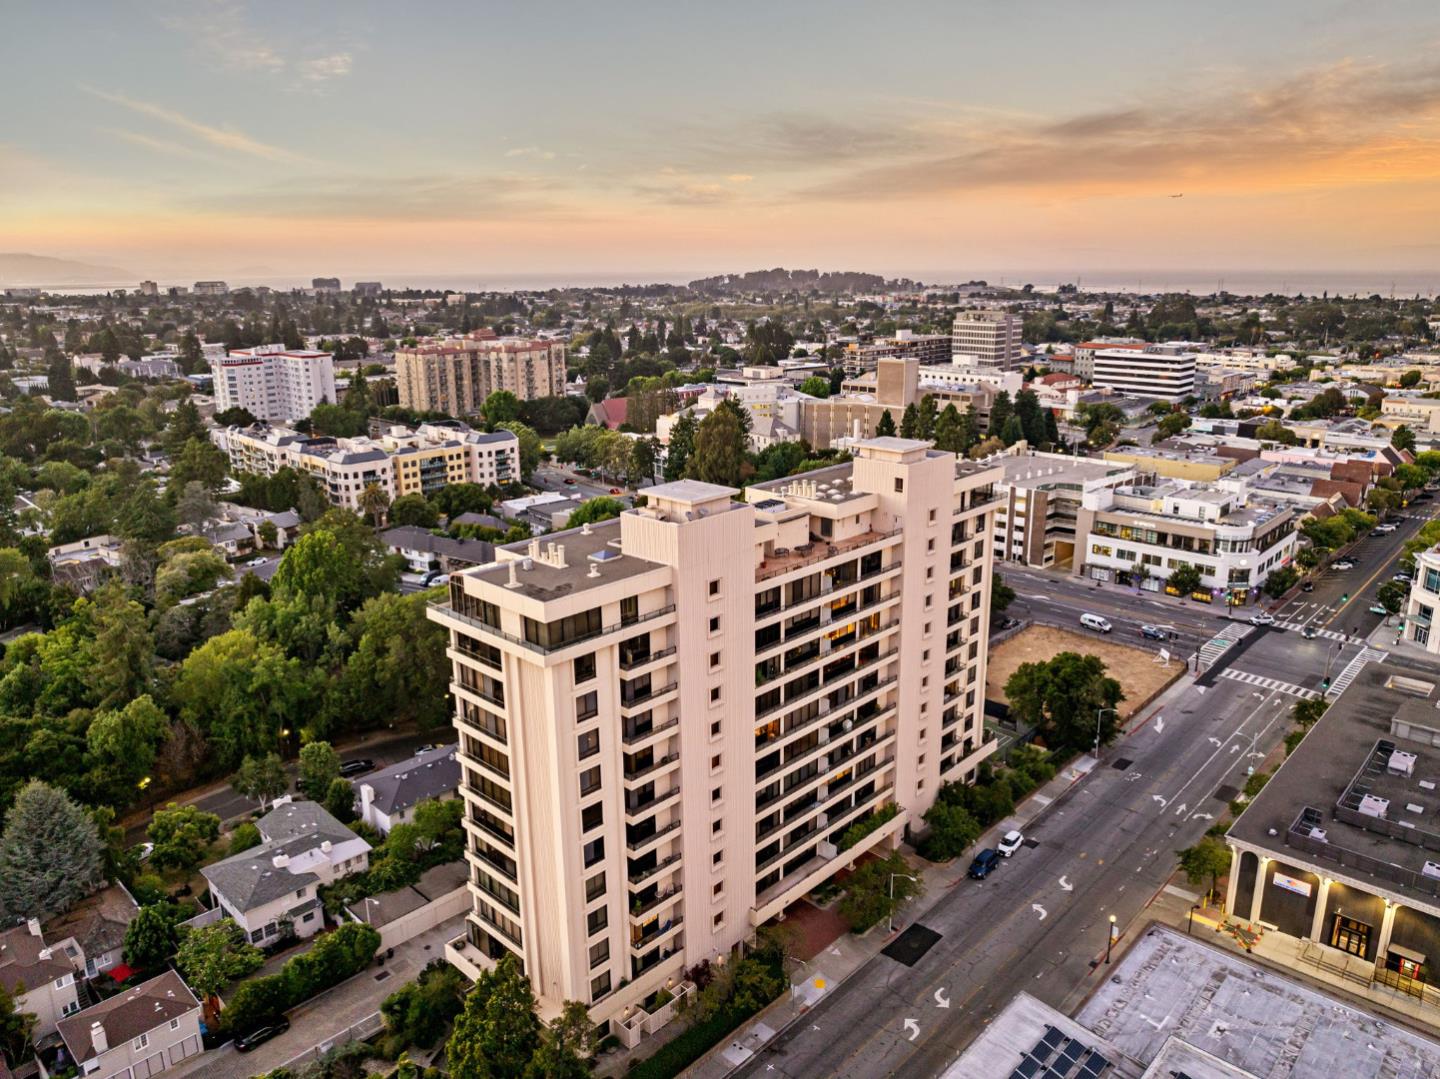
1134	668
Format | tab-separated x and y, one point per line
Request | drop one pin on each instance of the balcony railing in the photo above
652	767
447	611
641	842
631	737
655	900
630	663
645	696
774	567
640	876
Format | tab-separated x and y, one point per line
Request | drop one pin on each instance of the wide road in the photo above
1039	923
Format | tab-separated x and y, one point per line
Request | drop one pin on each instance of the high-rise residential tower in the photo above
986	340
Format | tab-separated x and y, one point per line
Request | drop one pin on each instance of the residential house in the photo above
133	1035
40	977
85	564
424	551
609	412
389	797
97	927
274	886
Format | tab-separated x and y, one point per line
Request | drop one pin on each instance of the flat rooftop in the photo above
596	547
1344	759
1171	986
1044	473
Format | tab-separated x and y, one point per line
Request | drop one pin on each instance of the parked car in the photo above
1262	618
1403	578
1343	564
357	767
1153	633
569	482
259	1035
1376	608
984	864
1011	843
614	490
1388	526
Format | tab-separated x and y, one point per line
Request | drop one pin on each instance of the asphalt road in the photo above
1107	845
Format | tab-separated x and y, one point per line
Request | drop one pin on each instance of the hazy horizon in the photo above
229	139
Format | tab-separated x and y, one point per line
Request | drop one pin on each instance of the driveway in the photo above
324	1019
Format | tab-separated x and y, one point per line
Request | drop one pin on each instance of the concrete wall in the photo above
450	905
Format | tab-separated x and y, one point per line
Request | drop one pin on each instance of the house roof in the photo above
98	922
126	1016
291	830
484	520
27	961
611	412
425	775
410	538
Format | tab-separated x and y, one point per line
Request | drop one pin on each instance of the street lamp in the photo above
1099	713
1110	940
908	877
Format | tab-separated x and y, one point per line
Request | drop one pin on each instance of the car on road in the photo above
357	767
1262	618
1403	578
260	1035
1309	633
1095	622
143	851
1012	842
429	746
257	561
1389	526
1376	608
1307	586
1343	564
432	579
984	864
569	482
1153	633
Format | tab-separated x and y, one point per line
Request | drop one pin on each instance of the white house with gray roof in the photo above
389	797
133	1035
276	884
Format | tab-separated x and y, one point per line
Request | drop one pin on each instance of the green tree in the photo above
397	670
1185	579
720	445
373	502
682	446
910	422
319	764
1281	581
1392	596
189	573
338	560
182	836
1012	432
531	448
600	508
566	1043
876	889
340	800
501	406
17	1029
1409	379
1001	409
196	505
1001	596
262	778
886	427
414	510
1066	698
124	653
1172	424
215	955
127	740
816	386
1403	438
150	938
952	830
497	1034
202	462
1207	859
185	426
1275	431
51	855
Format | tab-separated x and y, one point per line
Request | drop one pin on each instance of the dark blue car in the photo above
984	863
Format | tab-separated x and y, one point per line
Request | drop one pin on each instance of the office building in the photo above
149	288
987	340
1038	500
1082	363
455	376
211	288
1141	535
668	721
1148	372
1424	598
273	383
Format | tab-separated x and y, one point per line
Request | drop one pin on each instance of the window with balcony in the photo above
564	631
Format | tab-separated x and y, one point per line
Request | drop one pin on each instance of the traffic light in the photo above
1345	598
1325	682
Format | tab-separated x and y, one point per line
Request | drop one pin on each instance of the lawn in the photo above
1134	668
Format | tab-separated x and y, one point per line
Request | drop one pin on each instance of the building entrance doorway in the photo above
1350	936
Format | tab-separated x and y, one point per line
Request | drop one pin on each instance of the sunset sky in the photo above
927	139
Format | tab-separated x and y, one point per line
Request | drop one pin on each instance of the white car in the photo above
1343	564
1388	527
1262	619
1010	844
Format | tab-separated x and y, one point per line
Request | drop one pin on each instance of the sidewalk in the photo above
828	970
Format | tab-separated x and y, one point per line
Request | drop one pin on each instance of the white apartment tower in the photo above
272	382
986	340
1151	372
669	720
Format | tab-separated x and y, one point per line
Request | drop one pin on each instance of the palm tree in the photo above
373	503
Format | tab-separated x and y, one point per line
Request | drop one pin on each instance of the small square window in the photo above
717	857
715	762
714	694
715	587
585	668
719	888
718	921
899	485
595	887
932	517
715	729
714	660
715	624
925	656
588	744
589	781
587	706
930	544
717	794
592	816
716	826
593	852
597	920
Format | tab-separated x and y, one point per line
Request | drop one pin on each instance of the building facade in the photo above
1141	535
1167	375
456	376
669	720
987	340
273	383
1424	598
1040	496
135	1034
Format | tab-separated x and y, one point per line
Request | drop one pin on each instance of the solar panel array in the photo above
1058	1056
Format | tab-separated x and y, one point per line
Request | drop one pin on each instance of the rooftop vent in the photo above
1372	806
1431	869
1402	763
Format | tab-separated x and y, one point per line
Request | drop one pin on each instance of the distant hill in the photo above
781	280
21	269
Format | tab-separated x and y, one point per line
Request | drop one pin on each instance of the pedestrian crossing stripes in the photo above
1354	667
1328	634
1269	683
1214	648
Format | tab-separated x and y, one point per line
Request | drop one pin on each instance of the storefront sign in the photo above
1291	884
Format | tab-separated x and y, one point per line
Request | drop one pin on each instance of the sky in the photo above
939	141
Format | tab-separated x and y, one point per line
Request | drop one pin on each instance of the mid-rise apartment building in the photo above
211	288
1082	364
399	462
455	376
926	347
669	720
1039	498
1148	372
149	288
1140	535
273	383
1424	598
1420	414
988	340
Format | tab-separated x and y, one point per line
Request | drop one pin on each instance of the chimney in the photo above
513	582
280	861
33	924
97	1038
325	846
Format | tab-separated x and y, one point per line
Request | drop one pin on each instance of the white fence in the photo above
365	1028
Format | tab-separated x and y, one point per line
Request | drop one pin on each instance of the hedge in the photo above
334	957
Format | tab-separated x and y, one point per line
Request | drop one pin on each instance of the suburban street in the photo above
1107	845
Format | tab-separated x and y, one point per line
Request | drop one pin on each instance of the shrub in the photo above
417	1014
256	1002
333	958
952	830
863	827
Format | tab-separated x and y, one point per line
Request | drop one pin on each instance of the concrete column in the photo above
1317	924
1259	893
1387	926
1232	884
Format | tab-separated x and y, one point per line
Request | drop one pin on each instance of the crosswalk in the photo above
1354	667
1328	634
1269	683
1214	648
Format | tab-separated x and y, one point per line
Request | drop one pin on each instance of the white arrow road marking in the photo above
1038	909
1200	689
941	1000
1181	809
1157	798
1159	724
1214	741
1202	816
1234	749
913	1027
1066	886
1132	777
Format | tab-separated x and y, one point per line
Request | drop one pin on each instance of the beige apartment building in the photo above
987	340
669	720
455	376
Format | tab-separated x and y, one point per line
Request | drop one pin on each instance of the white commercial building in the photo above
986	340
1149	372
273	383
1424	598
